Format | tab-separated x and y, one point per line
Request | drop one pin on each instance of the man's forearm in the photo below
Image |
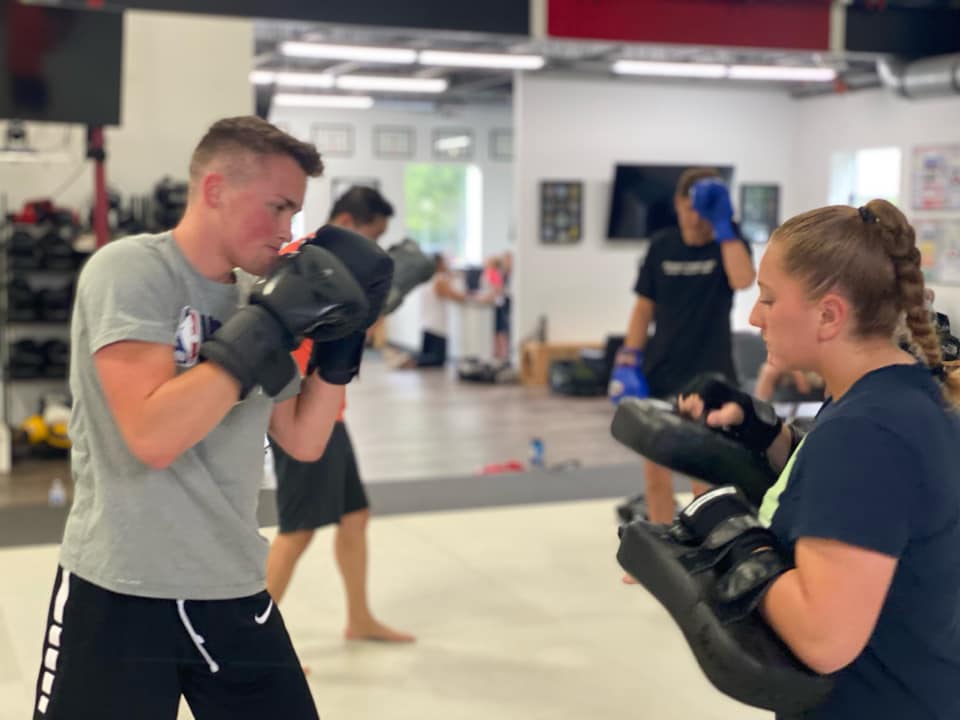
637	330
779	451
302	425
737	264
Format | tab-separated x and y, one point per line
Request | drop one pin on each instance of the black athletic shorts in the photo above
108	656
501	316
311	495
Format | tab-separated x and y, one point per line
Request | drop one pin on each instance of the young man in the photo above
311	495
685	286
176	373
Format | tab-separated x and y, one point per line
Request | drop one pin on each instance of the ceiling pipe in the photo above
930	77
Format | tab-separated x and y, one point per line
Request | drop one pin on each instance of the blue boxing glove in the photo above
627	379
711	200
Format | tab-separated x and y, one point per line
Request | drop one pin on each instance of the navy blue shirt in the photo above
881	470
692	299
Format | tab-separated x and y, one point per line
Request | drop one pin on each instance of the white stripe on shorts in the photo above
63	592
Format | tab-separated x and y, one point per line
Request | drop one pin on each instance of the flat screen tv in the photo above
641	201
60	65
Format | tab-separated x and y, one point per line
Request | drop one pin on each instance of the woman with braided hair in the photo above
867	507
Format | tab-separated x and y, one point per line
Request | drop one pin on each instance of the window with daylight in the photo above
859	176
444	209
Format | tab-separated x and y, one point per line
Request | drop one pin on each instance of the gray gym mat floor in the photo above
39	525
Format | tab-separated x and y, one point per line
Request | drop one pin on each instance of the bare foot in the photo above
376	632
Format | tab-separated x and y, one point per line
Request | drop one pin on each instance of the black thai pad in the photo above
654	429
743	658
411	267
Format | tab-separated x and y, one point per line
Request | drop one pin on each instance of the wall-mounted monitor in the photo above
641	201
60	65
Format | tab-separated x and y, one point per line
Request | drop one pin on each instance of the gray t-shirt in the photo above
190	530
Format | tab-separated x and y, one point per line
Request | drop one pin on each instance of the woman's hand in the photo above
729	414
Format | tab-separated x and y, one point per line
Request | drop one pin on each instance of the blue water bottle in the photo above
536	452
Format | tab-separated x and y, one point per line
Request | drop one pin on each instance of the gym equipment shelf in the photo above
21	393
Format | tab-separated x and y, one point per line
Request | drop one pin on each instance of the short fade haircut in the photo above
364	204
247	134
691	176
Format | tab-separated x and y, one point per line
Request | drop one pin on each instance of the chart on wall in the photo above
936	177
561	212
939	244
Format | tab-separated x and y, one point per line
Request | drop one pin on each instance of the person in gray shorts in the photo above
180	361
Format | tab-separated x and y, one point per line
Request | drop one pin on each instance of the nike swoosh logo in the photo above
261	619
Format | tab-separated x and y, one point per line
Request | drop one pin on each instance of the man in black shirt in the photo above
685	288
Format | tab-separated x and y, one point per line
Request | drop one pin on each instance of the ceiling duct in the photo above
931	77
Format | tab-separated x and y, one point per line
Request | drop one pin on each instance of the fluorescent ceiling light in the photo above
454	142
359	53
715	70
292	79
506	61
355	102
668	69
781	72
387	83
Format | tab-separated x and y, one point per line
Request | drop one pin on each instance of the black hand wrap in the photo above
760	425
710	570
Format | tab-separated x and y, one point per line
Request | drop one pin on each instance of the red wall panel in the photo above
788	24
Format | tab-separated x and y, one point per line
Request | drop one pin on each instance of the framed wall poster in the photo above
332	140
452	143
936	177
501	144
394	141
561	212
928	238
759	211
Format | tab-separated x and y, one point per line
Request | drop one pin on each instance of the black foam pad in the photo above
411	267
743	658
654	429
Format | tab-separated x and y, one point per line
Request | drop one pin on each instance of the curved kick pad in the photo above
743	658
411	267
654	429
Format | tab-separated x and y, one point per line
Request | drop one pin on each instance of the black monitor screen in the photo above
642	199
60	65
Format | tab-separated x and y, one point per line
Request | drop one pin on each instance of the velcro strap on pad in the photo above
709	510
754	564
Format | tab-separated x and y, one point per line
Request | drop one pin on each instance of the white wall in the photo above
404	326
577	129
877	118
180	73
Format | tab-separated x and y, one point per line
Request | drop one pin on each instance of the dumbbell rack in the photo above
21	396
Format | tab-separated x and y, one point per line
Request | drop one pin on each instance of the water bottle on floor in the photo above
57	497
536	452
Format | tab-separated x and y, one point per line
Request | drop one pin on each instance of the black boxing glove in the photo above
367	262
338	361
760	425
309	292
